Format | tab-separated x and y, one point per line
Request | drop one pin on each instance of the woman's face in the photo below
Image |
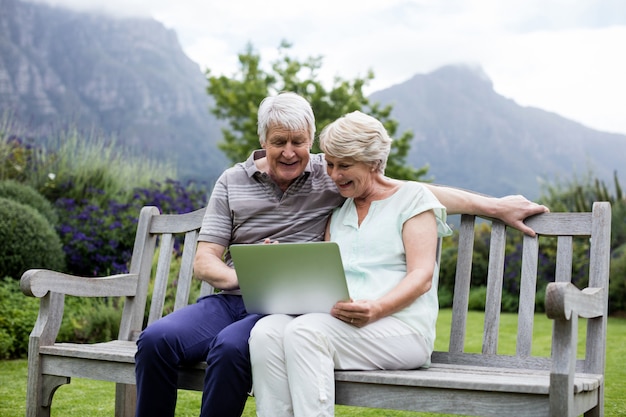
287	153
353	179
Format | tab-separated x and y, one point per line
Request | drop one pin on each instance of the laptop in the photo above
290	278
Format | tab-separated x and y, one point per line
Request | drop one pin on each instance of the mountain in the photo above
126	78
474	138
130	78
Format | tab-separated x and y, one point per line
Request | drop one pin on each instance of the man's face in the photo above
287	153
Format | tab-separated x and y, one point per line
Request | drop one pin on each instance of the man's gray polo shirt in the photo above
246	206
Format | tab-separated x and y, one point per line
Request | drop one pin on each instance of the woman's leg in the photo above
269	375
317	344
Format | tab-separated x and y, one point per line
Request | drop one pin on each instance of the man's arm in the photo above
209	266
511	209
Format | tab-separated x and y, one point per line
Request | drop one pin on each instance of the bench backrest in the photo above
156	235
567	229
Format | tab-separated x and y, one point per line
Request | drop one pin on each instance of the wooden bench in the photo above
486	384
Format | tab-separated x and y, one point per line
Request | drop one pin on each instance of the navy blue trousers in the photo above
215	329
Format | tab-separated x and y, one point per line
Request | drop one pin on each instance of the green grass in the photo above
95	398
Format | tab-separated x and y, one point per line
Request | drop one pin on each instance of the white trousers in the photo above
294	358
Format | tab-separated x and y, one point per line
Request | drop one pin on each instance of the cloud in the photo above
559	55
575	73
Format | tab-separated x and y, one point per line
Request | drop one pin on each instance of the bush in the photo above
98	240
17	317
87	320
26	194
28	240
617	281
477	299
90	320
98	232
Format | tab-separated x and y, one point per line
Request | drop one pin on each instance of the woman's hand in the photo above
357	313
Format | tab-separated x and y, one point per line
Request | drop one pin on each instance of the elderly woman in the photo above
387	231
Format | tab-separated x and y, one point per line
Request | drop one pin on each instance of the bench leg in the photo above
125	400
598	411
39	397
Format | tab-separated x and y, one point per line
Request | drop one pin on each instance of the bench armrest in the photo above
563	299
51	287
565	304
39	282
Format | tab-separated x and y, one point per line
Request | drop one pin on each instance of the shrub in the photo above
26	194
617	281
28	240
90	320
17	317
477	299
17	156
86	320
445	296
97	240
98	232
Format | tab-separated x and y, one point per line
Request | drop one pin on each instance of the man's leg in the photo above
183	336
228	377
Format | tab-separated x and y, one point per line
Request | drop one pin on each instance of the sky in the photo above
563	56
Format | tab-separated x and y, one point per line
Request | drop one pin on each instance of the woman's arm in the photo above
419	235
512	209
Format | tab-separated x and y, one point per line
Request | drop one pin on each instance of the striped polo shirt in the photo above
246	205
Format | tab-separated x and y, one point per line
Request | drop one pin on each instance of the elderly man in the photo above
281	192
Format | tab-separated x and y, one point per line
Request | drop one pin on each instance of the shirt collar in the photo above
251	168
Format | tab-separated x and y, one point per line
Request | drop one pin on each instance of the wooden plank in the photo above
470	378
441	400
159	290
450	401
564	256
122	372
140	264
177	223
498	361
528	289
115	351
599	263
553	224
495	276
462	283
185	274
39	282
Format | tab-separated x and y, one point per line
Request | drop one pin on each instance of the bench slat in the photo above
528	290
462	283
438	375
494	288
470	378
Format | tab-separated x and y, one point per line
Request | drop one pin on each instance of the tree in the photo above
237	99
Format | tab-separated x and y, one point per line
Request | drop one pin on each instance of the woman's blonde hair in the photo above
357	136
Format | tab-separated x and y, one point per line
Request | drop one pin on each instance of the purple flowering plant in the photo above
98	233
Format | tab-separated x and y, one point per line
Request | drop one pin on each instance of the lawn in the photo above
95	398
